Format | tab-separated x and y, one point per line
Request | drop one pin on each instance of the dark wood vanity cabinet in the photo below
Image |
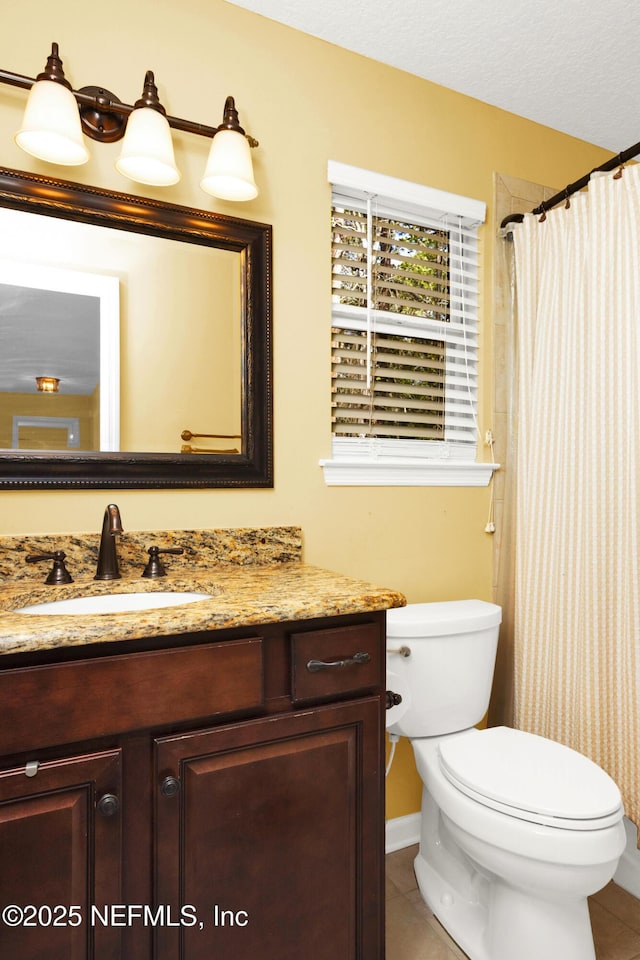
224	798
262	838
60	850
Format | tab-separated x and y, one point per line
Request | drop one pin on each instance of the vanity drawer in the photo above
62	703
329	663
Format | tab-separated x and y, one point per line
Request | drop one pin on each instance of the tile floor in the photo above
413	933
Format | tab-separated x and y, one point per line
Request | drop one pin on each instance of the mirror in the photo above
167	380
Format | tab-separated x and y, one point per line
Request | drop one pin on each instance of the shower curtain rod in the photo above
572	188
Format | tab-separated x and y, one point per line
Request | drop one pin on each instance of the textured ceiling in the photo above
570	65
50	334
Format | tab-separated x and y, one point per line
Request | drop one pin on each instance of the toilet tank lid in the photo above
442	618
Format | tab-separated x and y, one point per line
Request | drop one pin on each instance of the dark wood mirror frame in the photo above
253	467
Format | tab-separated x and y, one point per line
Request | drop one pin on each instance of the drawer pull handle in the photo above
314	665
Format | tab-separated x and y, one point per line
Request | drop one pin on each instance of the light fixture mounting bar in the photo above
16	79
102	102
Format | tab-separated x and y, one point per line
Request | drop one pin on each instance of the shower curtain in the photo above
577	514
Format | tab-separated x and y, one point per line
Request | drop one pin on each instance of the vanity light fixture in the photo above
48	384
56	117
51	128
147	149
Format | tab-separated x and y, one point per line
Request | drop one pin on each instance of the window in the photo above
404	277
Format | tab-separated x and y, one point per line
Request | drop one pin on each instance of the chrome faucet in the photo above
107	556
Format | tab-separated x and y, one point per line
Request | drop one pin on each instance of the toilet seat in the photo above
531	778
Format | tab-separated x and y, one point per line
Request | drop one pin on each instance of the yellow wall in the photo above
306	101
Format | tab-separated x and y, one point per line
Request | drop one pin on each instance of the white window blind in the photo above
404	340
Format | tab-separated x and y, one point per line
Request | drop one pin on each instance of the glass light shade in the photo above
229	171
51	125
147	149
48	384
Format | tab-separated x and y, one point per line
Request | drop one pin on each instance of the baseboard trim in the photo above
402	832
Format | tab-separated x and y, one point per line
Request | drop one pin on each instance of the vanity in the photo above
204	780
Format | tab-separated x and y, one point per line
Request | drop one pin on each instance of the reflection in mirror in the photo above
45	433
62	325
192	369
186	398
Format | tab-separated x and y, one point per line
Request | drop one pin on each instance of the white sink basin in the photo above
113	603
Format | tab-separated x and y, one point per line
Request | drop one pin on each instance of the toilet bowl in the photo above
516	830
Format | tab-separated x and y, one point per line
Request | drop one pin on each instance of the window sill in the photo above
390	472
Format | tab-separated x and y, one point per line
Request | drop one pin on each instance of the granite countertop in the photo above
254	587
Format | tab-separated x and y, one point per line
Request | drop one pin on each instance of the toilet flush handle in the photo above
402	651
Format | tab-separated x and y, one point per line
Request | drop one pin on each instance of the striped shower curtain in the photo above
577	535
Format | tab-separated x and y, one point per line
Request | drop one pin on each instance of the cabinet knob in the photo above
108	805
170	787
393	699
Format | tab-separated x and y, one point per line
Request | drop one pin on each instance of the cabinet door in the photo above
58	855
270	838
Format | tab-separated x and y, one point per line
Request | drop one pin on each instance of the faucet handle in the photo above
58	572
154	567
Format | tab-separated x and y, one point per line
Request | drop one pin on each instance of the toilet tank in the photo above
445	682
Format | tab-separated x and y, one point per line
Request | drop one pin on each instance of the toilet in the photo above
516	830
